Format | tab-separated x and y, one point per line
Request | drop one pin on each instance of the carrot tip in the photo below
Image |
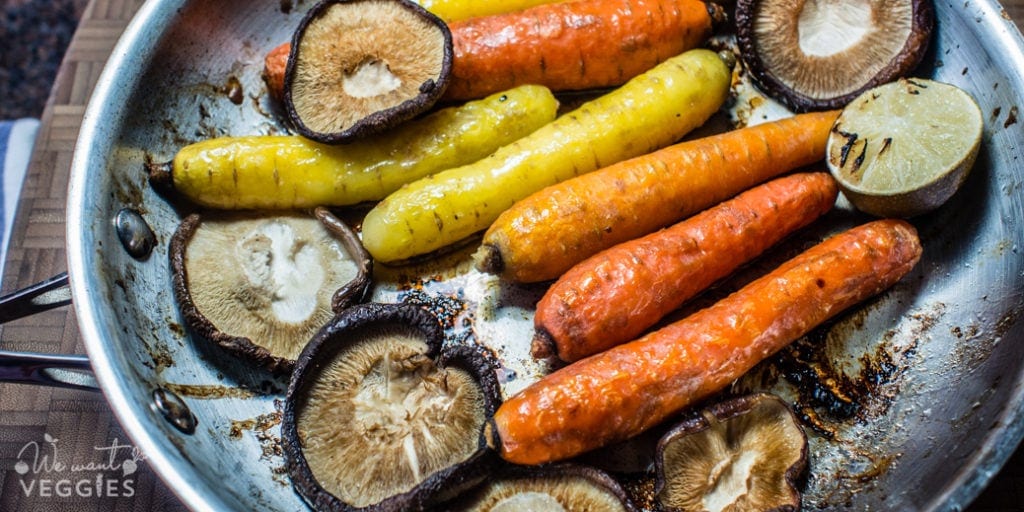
488	259
543	345
160	177
728	58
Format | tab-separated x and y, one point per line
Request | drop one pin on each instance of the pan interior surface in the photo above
945	344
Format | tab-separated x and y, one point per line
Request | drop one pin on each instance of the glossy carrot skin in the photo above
568	46
618	293
274	65
575	45
625	390
632	198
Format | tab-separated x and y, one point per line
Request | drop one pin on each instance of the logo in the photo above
44	473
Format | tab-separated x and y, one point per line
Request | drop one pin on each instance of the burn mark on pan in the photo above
976	342
1006	322
1011	118
207	129
176	328
860	474
161	357
265	428
209	391
159	353
831	397
233	90
260	426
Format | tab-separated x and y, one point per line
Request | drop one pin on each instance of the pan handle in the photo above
67	371
49	294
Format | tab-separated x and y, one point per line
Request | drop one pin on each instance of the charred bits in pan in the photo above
380	415
827	395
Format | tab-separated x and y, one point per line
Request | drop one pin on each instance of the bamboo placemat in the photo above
77	428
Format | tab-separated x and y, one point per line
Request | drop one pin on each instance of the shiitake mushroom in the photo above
821	55
564	487
746	453
259	285
358	67
381	415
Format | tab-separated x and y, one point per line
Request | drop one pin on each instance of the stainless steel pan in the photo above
937	362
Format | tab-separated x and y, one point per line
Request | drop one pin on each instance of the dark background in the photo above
33	37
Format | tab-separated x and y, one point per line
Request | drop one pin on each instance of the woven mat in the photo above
68	441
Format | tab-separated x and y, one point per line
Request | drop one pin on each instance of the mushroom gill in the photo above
380	416
410	419
261	284
360	66
814	55
740	455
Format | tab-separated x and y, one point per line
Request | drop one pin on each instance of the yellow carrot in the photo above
454	10
280	172
648	112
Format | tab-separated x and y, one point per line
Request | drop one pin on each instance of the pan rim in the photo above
126	63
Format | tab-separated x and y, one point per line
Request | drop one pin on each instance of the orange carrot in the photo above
274	65
576	45
618	293
545	234
630	388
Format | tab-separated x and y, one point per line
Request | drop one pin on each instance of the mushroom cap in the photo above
358	67
821	55
742	454
561	487
260	285
379	416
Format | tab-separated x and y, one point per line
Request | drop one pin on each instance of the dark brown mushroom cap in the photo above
380	416
566	486
226	280
746	453
359	67
821	55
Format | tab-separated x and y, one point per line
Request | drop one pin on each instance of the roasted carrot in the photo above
542	236
627	389
576	45
274	65
650	111
618	293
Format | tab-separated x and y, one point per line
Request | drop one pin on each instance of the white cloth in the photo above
17	138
